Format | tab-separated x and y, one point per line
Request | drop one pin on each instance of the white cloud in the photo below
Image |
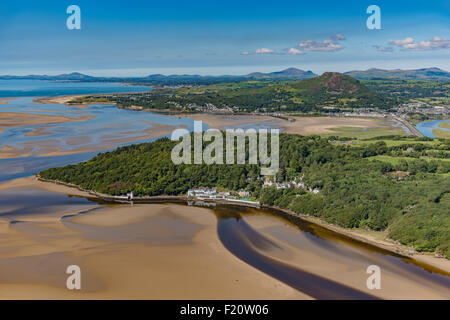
264	50
245	53
433	43
325	45
294	51
383	48
338	37
402	42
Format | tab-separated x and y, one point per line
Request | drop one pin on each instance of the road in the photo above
411	128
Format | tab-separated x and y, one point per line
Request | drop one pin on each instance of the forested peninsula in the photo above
396	184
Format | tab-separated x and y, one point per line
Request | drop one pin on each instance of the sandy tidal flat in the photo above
346	264
14	119
218	121
170	251
55	131
323	125
72	145
59	99
153	251
297	125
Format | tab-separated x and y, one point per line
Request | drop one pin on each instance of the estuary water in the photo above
48	135
426	127
40	88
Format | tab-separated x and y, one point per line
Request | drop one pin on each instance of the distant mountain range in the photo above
75	76
290	73
287	74
398	74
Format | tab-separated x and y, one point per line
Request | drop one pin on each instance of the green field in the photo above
367	133
441	133
444	125
397	160
393	143
426	91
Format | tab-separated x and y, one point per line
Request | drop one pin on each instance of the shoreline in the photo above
362	236
166	251
58	99
276	116
303	124
143	200
395	248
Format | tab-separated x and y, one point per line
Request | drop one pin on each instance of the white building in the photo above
243	193
202	192
315	190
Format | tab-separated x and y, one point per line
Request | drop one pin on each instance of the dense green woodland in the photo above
411	199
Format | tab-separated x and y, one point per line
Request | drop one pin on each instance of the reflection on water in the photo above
160	229
241	240
23	202
28	166
254	248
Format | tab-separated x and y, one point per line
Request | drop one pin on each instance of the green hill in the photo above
336	89
435	74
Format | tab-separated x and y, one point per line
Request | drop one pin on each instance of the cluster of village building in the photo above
289	184
203	193
208	193
423	108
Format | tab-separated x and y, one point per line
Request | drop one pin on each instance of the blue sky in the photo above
136	38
